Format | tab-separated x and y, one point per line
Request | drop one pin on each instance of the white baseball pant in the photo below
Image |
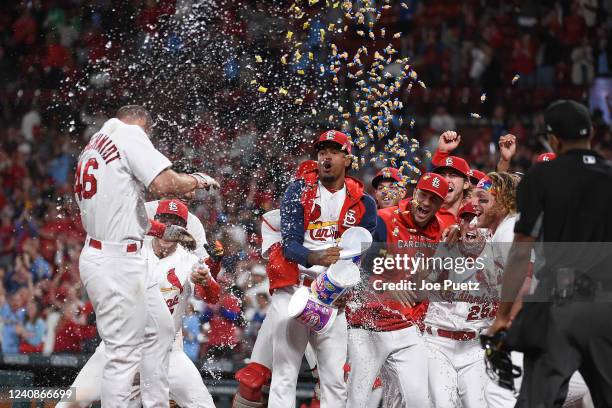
289	345
262	349
498	397
186	385
115	283
125	300
457	373
400	351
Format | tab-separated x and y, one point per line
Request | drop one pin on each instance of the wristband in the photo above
157	229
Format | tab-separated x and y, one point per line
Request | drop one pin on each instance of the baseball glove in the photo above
498	362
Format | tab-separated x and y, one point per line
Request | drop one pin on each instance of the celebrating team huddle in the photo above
414	342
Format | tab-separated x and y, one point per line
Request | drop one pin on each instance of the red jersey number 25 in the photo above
85	184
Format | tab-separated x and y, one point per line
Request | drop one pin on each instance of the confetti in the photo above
258	58
262	89
515	78
282	91
289	35
483	97
475	115
397	35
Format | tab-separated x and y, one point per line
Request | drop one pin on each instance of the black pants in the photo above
557	340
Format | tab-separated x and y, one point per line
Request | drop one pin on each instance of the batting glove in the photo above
175	233
215	252
205	181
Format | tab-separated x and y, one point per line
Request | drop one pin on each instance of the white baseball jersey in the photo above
194	227
322	231
114	169
172	274
469	309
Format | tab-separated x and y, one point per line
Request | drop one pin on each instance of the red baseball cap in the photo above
387	173
454	162
476	175
545	157
174	207
433	183
336	137
467	209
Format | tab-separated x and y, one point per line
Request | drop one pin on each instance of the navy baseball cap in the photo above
568	119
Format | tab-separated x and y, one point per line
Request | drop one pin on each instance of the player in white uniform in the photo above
314	212
455	319
172	267
113	171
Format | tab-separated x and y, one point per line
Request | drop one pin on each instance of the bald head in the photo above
136	115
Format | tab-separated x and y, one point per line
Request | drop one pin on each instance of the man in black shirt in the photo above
564	205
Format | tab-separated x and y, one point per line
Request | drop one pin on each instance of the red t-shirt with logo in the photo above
379	310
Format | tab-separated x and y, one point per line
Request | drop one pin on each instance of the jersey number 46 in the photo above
85	184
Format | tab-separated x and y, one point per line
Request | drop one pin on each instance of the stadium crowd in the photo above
461	49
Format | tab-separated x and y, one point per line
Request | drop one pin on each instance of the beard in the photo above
328	178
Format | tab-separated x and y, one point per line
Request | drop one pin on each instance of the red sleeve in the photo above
439	157
213	266
209	293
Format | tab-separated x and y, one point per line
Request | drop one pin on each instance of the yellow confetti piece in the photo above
330	27
253	82
312	2
284	59
310	56
262	89
289	34
258	58
282	91
305	25
322	32
300	71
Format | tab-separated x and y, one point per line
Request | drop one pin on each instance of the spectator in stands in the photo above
583	68
32	331
441	121
12	315
72	330
38	266
20	277
191	331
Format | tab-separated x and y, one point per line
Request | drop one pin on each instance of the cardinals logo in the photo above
174	281
315	213
349	218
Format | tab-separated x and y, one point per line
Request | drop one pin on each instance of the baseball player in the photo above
175	270
388	192
315	210
258	372
383	323
113	171
202	248
495	201
455	318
